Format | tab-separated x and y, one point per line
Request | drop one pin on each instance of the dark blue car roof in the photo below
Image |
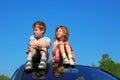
78	73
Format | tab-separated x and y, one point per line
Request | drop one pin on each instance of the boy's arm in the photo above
33	44
47	45
43	44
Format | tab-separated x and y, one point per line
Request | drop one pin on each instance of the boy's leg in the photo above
43	60
69	53
30	53
62	50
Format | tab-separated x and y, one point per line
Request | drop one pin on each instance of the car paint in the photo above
80	72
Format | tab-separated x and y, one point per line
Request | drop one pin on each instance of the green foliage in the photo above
118	70
109	65
106	63
3	77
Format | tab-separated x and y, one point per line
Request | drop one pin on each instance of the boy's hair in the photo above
41	25
65	32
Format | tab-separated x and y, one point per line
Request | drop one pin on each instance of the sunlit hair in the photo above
65	33
41	25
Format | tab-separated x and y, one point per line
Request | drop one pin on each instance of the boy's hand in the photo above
41	44
33	44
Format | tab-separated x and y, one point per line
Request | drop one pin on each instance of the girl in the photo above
62	51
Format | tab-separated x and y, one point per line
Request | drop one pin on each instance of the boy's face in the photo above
37	32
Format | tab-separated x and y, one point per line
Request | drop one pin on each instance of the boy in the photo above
37	42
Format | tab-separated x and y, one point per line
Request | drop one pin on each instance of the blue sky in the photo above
94	27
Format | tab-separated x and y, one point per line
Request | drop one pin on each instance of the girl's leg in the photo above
62	50
69	53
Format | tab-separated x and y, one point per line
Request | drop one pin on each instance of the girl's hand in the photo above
67	42
56	42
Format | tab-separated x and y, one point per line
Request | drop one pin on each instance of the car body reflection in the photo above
79	72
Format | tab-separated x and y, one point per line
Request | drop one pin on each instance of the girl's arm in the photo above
55	44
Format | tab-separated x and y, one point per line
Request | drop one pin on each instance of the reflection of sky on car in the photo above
78	73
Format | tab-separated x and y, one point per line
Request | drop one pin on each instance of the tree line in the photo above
3	77
107	64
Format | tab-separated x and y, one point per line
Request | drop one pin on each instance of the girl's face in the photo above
59	33
37	32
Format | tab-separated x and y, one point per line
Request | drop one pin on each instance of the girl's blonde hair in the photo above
65	33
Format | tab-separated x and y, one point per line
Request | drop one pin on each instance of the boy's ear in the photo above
43	31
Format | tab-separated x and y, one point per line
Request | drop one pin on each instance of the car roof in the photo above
70	73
